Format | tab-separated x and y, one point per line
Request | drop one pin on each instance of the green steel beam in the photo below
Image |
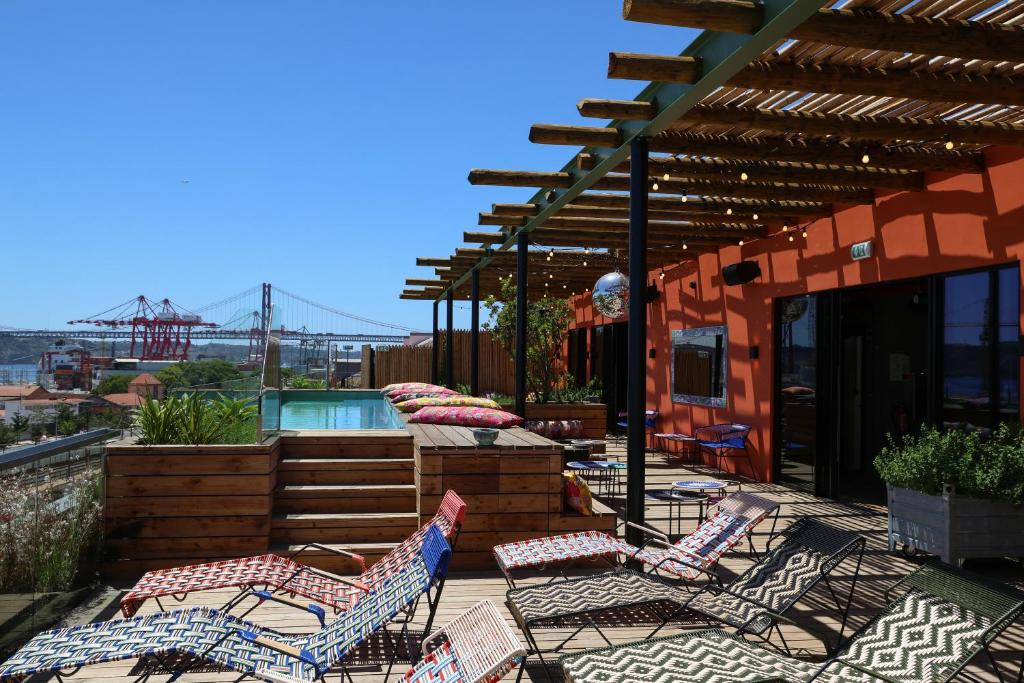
722	56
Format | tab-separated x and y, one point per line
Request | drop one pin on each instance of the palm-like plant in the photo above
199	421
158	421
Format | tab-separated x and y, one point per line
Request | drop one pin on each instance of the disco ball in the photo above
611	295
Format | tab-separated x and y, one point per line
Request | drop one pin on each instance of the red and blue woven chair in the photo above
728	440
475	647
726	526
286	578
201	635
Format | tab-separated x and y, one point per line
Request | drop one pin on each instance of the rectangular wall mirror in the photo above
700	366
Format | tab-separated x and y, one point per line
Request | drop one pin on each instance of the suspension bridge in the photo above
163	330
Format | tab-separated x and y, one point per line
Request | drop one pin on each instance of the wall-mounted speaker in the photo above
741	273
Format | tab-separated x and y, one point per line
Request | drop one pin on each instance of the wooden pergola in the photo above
779	111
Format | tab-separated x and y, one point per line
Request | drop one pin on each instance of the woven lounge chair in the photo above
935	622
284	576
205	635
752	603
476	647
732	520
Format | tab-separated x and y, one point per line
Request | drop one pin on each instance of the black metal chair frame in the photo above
855	544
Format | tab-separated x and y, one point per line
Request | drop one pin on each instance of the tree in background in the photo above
547	322
19	423
114	384
7	436
36	432
213	371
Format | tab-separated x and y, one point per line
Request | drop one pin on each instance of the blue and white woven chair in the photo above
206	636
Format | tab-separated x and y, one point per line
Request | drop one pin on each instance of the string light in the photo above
754	216
685	247
728	212
587	251
785	228
551	253
563	287
804	233
655	187
741	243
744	176
551	276
685	198
866	158
790	238
662	275
665	177
584	264
949	144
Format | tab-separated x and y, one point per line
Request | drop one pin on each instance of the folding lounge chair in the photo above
939	621
752	603
205	635
476	647
286	576
732	520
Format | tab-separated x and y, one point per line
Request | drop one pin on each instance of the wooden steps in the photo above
373	527
300	498
345	471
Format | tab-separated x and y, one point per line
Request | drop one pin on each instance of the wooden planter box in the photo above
172	505
594	415
954	527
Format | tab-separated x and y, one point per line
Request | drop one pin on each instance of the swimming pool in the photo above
337	410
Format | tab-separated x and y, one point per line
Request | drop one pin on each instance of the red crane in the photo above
160	331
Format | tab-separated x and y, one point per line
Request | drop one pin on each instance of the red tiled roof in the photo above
130	400
22	390
146	379
48	401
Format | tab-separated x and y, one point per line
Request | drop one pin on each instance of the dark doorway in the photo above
608	346
882	388
858	365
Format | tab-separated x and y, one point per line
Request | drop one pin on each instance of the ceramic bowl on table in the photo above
485	436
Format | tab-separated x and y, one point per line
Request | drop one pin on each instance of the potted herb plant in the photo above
956	494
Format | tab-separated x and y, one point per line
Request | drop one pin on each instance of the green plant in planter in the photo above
191	419
981	467
570	393
547	321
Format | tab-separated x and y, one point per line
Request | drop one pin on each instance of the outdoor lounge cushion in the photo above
577	495
429	389
429	393
556	429
406	385
412	405
465	417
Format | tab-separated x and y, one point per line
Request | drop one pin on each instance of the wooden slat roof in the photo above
812	148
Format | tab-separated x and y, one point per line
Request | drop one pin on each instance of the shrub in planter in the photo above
956	494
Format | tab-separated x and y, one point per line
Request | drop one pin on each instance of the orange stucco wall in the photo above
958	222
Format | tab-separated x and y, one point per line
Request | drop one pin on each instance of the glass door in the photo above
797	390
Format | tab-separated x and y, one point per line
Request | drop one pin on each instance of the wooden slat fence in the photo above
412	364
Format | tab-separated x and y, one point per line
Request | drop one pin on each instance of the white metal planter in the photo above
954	527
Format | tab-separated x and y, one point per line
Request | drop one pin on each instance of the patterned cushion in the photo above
406	385
417	392
577	495
701	657
410	395
556	429
465	417
414	404
538	552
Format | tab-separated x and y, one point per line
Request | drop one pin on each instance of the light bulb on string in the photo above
866	159
551	276
785	228
949	145
662	275
728	212
741	243
744	176
584	264
804	233
790	238
754	217
665	177
685	198
655	187
685	247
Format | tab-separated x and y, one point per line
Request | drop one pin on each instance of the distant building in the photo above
41	409
147	386
113	367
66	365
22	391
126	401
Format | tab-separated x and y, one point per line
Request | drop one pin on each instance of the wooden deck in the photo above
462	590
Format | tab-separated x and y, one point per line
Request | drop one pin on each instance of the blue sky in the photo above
326	143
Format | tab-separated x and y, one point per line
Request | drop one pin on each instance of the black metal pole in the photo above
636	387
522	244
433	352
474	334
449	344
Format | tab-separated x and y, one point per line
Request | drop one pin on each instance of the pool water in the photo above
337	410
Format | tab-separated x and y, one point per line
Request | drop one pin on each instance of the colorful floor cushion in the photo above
577	494
556	429
412	405
421	391
465	416
428	393
405	385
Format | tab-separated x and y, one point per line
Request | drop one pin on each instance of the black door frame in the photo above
829	363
